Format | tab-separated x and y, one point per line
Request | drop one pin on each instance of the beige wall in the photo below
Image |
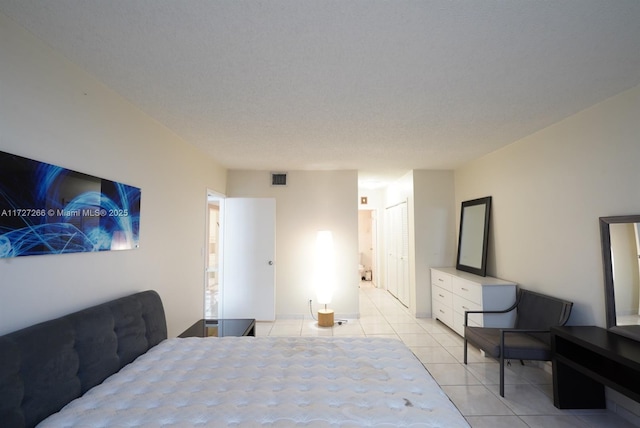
549	190
52	111
311	201
434	231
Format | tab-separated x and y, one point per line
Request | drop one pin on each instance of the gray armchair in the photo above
529	339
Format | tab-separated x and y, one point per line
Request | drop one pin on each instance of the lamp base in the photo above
325	317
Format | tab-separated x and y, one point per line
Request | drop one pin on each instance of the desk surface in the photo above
221	327
614	346
585	359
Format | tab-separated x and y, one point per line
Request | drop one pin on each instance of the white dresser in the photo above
453	292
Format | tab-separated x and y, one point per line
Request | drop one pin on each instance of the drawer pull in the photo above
440	295
465	308
440	279
464	289
441	311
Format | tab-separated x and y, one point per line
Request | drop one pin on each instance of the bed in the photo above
112	365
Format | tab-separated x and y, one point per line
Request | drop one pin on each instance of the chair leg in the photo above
502	374
502	363
465	351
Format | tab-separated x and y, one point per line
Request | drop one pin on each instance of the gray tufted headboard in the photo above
45	366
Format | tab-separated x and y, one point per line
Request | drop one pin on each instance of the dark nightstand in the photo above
220	328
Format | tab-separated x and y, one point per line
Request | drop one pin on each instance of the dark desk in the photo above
586	359
220	328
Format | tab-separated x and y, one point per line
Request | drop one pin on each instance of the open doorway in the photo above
213	256
367	243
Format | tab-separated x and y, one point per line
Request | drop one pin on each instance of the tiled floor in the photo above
472	388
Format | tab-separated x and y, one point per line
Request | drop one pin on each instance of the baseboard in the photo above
623	406
315	315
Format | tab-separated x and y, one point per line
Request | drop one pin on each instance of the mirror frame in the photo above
482	270
607	265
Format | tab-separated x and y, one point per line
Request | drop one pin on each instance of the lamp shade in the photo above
325	267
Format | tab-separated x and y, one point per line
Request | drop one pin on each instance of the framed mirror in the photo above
620	239
473	239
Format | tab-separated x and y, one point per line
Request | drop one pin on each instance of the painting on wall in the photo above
47	209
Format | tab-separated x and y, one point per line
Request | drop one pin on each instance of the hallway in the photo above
472	388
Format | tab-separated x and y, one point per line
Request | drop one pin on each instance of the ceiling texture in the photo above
378	86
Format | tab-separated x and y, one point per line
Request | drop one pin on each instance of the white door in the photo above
248	276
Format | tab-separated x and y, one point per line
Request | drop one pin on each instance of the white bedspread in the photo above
270	381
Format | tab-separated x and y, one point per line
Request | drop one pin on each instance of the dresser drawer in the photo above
443	313
441	279
461	305
458	321
453	292
468	290
441	295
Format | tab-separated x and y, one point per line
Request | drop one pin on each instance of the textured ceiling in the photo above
377	86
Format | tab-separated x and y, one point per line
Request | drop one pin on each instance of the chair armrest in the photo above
466	314
501	311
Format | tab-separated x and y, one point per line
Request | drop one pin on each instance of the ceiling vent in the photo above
278	178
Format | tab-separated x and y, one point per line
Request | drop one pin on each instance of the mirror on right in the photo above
620	240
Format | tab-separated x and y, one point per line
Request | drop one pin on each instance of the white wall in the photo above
52	111
549	189
311	201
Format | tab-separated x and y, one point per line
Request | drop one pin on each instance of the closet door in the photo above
403	256
391	259
397	234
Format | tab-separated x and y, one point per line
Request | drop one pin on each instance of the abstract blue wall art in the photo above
47	209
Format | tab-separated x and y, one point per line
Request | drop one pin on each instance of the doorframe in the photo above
375	242
636	233
213	196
